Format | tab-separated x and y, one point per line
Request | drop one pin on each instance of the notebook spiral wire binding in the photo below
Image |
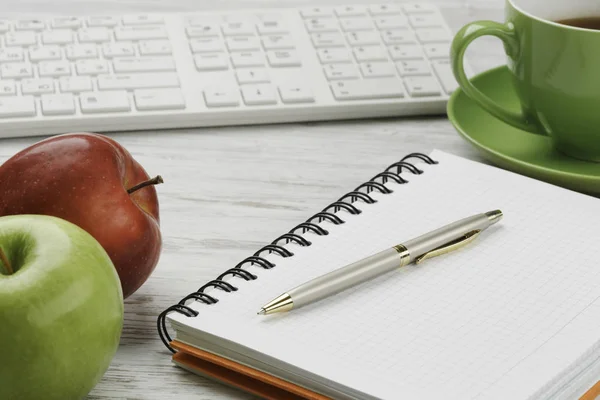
329	213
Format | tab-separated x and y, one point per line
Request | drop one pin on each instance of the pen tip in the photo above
261	312
494	216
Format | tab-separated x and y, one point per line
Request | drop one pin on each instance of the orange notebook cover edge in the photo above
593	393
240	376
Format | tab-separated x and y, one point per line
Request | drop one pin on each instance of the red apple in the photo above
92	181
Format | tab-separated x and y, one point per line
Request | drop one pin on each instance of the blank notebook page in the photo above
501	318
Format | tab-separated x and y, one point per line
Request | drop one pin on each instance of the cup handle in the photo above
461	41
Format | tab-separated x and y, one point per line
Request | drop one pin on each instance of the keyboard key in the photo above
81	51
237	28
283	58
391	22
155	48
149	64
22	106
20	39
381	88
443	71
202	31
278	42
413	67
259	95
138	81
350	11
406	52
142	19
66	23
378	70
57	36
370	53
241	43
254	75
222	96
7	88
321	25
247	59
111	50
93	35
426	20
159	99
333	55
422	86
58	104
206	45
11	54
418	8
104	102
327	39
91	67
37	86
266	17
362	38
315	12
124	33
270	27
107	21
202	20
75	84
30	25
211	62
293	94
433	35
54	68
16	70
4	26
385	9
355	24
336	72
437	50
398	36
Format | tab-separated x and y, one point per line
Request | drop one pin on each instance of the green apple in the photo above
61	309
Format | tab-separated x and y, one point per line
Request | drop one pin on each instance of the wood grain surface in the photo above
228	191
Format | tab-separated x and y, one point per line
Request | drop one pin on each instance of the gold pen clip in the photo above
450	246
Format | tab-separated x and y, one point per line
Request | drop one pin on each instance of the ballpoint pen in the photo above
434	243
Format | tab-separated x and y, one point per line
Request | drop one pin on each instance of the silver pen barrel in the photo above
346	277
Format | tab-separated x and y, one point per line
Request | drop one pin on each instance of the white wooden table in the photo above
228	191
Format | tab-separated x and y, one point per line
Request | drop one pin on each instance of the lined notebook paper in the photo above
513	315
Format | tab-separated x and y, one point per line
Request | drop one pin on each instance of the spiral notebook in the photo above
514	315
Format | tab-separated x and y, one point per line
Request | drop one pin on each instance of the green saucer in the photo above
511	148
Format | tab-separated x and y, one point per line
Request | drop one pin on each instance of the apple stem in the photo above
6	263
154	181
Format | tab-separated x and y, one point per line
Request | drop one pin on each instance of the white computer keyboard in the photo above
129	72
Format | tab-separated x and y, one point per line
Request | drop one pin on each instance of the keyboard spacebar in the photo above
368	89
137	81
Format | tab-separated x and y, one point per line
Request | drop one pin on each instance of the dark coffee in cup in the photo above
586	22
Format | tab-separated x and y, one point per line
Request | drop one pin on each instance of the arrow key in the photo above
252	75
222	96
255	95
296	94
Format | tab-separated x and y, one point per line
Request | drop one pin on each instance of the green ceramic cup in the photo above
555	70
